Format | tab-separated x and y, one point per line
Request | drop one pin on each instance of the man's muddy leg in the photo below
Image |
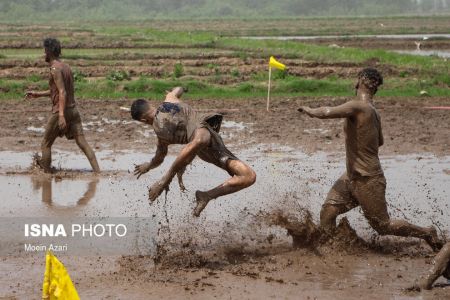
339	201
242	176
328	215
440	264
371	196
50	136
84	146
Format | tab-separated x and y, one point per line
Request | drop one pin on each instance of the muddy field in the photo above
238	248
408	125
242	245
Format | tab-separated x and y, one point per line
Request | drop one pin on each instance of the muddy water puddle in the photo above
439	53
288	179
422	36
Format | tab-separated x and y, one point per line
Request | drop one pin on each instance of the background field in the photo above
233	250
142	59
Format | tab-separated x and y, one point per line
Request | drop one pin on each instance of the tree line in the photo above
27	10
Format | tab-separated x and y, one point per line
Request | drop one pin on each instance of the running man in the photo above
364	184
176	122
441	267
65	119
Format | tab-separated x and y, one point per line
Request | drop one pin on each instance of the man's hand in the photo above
306	110
180	180
62	123
31	94
156	189
139	170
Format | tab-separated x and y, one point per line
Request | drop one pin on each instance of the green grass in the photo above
145	87
411	74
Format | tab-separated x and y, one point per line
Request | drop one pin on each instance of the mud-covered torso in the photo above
175	123
68	85
362	140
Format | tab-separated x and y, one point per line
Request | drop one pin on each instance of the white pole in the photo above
268	89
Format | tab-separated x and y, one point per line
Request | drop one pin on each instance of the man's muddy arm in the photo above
345	110
37	94
157	160
381	138
59	81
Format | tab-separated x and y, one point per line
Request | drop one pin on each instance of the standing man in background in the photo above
65	119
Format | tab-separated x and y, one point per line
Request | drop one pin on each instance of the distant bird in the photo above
381	24
425	38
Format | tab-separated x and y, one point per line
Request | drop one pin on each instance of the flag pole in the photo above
268	88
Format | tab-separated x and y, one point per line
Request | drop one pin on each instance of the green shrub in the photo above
140	85
178	70
235	73
119	75
34	78
78	76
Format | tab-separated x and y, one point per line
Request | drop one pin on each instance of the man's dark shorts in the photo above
216	153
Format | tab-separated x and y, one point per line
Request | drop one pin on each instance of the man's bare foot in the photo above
433	240
202	200
37	163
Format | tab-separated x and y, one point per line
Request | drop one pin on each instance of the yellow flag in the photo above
276	64
57	284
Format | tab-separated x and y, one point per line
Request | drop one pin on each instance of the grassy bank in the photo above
124	59
145	87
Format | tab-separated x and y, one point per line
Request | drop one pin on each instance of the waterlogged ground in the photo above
232	227
232	250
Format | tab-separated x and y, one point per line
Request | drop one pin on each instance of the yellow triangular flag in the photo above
57	284
276	64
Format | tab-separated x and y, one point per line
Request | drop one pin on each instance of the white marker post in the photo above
268	88
272	63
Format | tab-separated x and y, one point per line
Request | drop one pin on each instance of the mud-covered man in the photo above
441	267
65	119
363	184
176	122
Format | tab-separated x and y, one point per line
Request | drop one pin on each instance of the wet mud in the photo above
247	238
261	242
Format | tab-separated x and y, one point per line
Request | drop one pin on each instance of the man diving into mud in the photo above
364	184
441	267
176	122
65	119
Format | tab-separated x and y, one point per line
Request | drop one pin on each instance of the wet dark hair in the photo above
138	109
371	78
53	46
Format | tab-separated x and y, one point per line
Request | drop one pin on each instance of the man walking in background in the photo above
65	119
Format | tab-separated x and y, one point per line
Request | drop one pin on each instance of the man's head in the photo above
369	79
139	110
52	49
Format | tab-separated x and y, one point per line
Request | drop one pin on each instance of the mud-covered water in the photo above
229	232
288	180
378	36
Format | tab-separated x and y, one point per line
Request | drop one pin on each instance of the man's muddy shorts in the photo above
366	191
216	153
74	126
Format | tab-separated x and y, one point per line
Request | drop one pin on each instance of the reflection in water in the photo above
45	183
